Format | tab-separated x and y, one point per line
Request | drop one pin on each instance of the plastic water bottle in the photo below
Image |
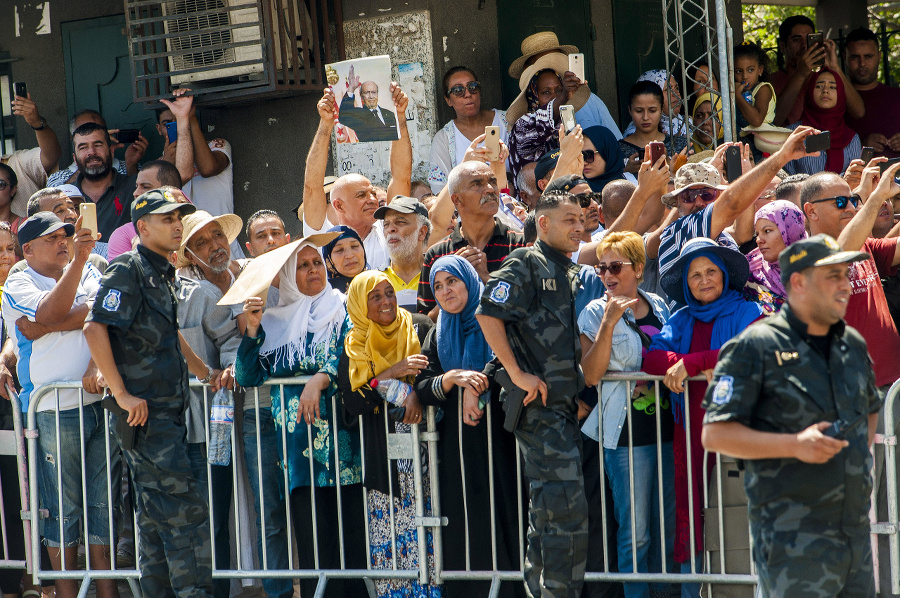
221	421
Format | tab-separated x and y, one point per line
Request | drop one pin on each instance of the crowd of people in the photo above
501	292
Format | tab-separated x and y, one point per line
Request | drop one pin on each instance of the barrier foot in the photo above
370	586
495	587
135	588
85	586
320	588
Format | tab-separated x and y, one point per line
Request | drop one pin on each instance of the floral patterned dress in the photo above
252	369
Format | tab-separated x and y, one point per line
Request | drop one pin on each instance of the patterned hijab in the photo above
460	342
373	348
792	226
531	95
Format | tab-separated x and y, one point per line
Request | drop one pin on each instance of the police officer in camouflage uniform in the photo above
527	313
133	335
777	389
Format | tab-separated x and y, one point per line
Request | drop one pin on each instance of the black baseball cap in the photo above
403	204
565	183
545	164
820	250
42	223
157	201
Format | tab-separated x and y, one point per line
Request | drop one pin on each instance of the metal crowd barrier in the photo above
706	568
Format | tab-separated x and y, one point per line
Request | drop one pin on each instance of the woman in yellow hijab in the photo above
708	124
384	345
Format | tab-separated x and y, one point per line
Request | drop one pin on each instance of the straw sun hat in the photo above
559	63
230	223
542	41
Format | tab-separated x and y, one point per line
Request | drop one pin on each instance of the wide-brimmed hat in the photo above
557	62
735	263
704	156
257	276
694	176
231	225
767	138
542	41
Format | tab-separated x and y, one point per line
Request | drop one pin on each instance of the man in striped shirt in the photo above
706	208
479	236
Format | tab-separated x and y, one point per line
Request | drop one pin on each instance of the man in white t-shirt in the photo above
56	293
206	171
33	165
353	195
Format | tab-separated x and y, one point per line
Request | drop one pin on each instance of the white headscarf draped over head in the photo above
289	325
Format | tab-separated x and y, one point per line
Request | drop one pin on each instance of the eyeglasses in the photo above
585	199
3	184
706	194
614	267
588	155
460	90
840	200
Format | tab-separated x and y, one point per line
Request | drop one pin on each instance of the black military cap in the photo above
403	204
157	201
820	250
42	223
545	164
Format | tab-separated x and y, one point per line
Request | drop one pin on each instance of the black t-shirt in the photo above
643	402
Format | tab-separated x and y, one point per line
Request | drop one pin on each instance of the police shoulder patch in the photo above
500	293
723	391
112	300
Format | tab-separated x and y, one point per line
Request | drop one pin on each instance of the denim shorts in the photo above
63	466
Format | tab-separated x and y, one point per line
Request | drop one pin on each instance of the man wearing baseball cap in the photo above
133	335
794	395
406	232
54	293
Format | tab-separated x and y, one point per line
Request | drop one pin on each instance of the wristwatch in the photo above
208	376
43	125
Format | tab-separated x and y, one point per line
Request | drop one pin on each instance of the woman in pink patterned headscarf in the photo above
777	224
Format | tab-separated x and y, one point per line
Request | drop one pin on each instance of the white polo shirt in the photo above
57	356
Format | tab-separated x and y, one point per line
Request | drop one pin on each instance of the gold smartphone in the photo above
88	213
492	142
576	65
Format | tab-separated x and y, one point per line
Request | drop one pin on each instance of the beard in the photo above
219	268
95	172
405	250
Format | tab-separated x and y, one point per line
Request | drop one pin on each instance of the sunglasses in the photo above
460	90
689	196
4	184
614	267
588	155
840	200
585	199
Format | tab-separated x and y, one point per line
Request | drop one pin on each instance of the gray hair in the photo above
454	179
423	220
526	183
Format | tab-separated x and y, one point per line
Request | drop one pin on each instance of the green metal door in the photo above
98	76
569	19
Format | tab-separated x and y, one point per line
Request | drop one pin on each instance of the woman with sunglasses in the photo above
603	160
708	279
462	92
825	108
647	107
615	334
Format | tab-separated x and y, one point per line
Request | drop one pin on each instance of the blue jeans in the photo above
272	496
647	546
65	466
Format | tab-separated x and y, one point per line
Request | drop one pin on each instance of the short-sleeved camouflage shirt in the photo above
137	301
534	291
771	378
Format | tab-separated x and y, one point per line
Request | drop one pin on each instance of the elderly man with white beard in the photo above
406	232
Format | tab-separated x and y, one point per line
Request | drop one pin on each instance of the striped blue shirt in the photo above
683	230
816	164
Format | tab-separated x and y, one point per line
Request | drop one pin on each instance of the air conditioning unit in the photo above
199	28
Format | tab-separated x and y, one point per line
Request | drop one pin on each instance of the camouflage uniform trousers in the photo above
821	561
556	557
175	548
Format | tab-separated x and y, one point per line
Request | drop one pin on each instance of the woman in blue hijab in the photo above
603	160
707	278
345	257
457	355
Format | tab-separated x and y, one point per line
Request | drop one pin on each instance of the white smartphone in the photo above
492	142
567	113
576	65
88	213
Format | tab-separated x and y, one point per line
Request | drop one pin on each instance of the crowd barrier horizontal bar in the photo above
429	524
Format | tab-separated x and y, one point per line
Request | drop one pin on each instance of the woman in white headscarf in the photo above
304	336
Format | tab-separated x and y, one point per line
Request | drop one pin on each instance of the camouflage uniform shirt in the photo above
771	378
137	301
534	291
